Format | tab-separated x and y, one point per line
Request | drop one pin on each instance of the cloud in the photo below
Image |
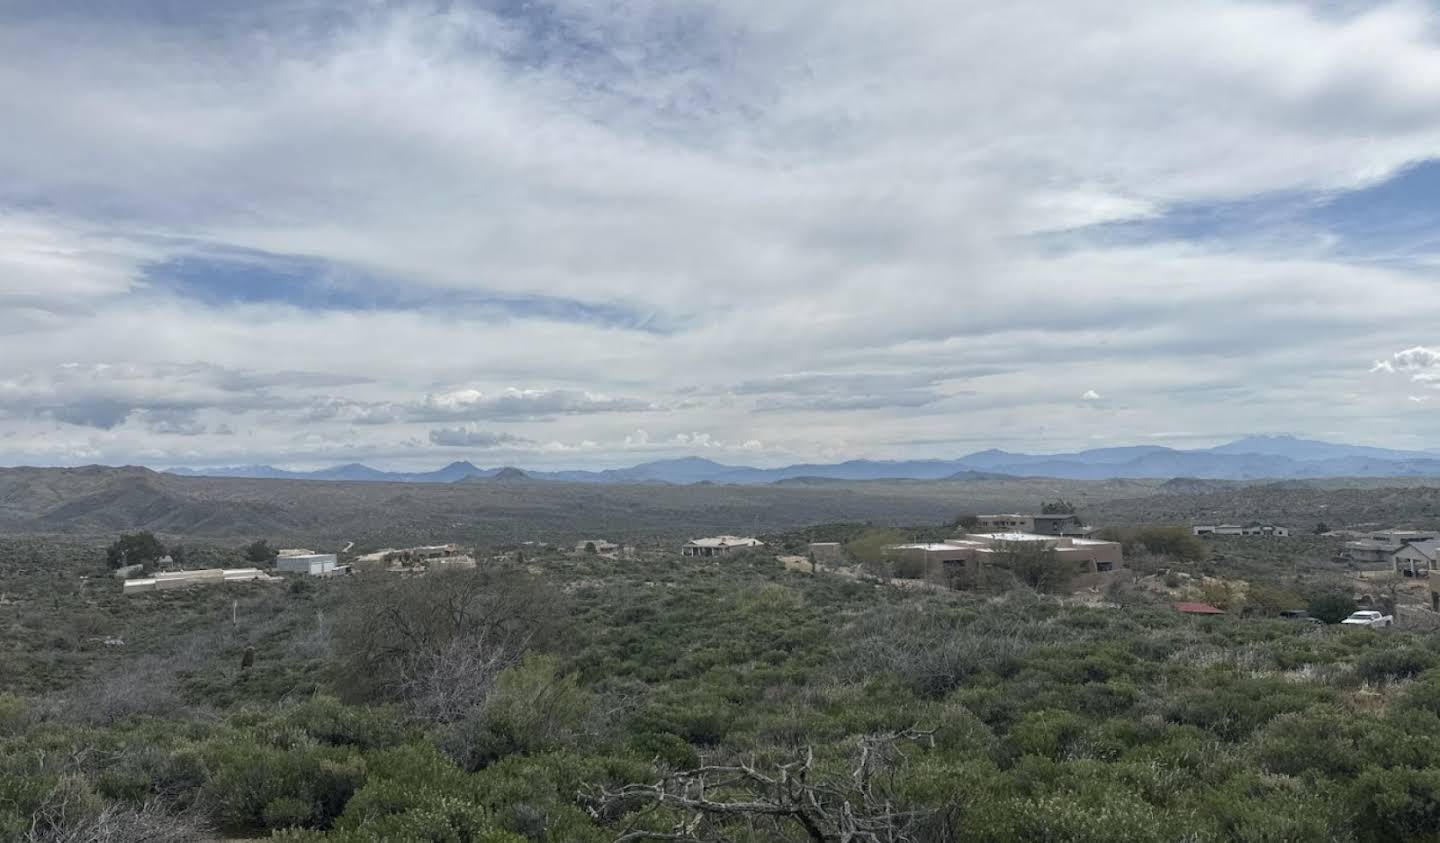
1409	360
1421	364
520	404
463	437
105	395
336	228
1089	395
181	422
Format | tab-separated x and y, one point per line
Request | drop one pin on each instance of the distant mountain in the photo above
1310	449
1251	458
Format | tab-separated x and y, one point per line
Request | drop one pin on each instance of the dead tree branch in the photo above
860	811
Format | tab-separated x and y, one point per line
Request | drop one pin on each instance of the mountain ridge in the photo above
1249	458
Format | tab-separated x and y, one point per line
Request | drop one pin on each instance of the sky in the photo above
585	234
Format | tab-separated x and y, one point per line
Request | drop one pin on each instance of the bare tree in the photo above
61	820
705	800
439	640
444	685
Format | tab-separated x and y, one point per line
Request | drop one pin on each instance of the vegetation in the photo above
578	698
134	549
1332	608
260	552
1035	566
1174	542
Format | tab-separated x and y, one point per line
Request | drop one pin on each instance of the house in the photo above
409	559
961	558
167	580
1380	546
1219	530
314	564
597	546
1417	559
718	545
1045	525
441	563
1243	530
826	553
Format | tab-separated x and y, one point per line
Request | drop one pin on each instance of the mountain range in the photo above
1250	458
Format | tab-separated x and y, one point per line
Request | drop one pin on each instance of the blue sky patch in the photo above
1396	222
228	277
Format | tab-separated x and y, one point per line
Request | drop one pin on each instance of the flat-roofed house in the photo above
598	546
963	557
1045	525
1243	530
314	564
719	545
166	580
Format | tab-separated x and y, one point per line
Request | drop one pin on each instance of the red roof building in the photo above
1198	609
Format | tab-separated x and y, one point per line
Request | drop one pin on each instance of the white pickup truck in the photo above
1368	618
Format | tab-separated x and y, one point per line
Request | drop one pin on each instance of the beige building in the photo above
964	557
598	546
719	545
1242	530
1044	525
166	580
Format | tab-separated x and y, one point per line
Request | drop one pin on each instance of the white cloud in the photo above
522	404
469	437
1089	395
1410	360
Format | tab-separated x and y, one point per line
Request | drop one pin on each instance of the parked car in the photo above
1300	615
1369	618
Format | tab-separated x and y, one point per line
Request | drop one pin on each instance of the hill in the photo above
508	506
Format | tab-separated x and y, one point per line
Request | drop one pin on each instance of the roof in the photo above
1017	537
725	541
1371	544
933	546
1428	549
1198	609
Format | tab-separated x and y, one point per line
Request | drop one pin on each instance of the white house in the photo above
167	580
718	545
314	564
1243	530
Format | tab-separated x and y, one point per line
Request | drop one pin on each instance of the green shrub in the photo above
533	708
1395	804
286	811
1331	608
14	715
1389	665
247	777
